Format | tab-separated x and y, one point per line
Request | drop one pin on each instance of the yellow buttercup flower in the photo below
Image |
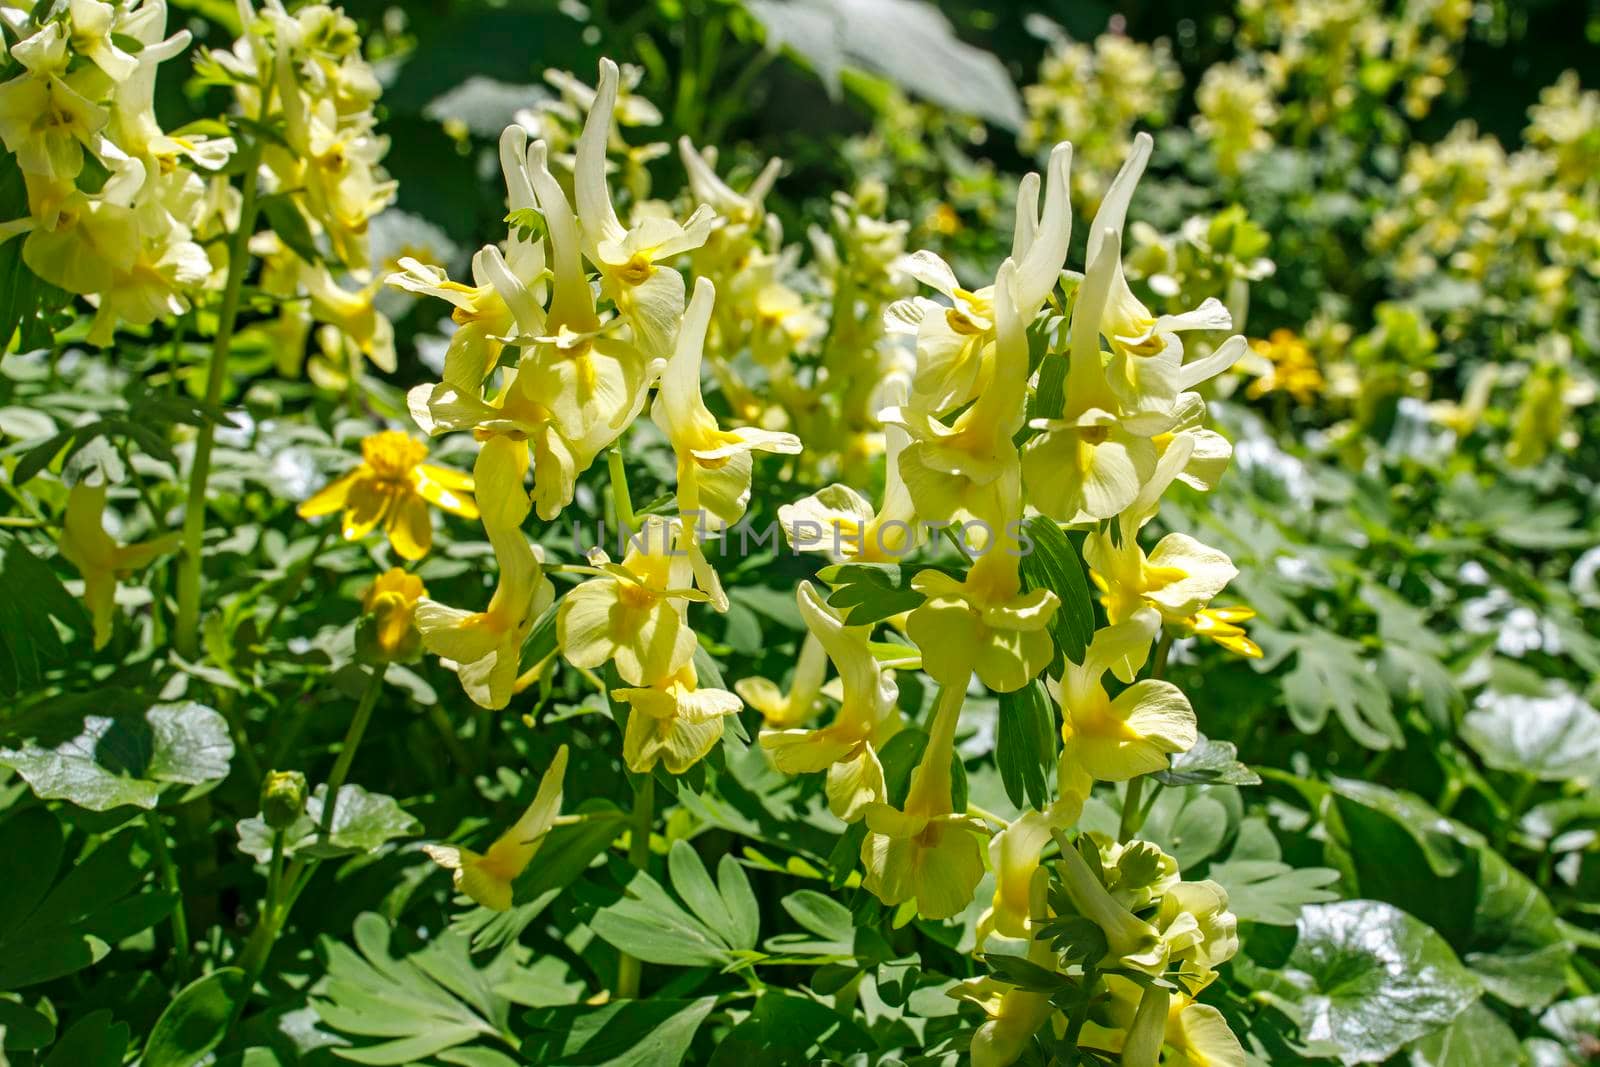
847	747
99	559
633	612
1114	740
487	877
1290	368
926	851
673	722
393	487
391	603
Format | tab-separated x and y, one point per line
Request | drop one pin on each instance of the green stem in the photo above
186	631
629	968
1129	825
621	499
347	752
168	871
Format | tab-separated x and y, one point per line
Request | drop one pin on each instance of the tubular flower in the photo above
1014	855
390	604
784	710
1131	940
992	628
673	722
633	612
1114	740
634	263
847	747
100	561
925	850
486	646
840	522
393	487
714	465
1222	626
487	877
1015	1014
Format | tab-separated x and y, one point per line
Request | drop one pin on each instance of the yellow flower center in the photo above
393	455
637	270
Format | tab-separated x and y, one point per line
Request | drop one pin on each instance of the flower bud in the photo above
283	798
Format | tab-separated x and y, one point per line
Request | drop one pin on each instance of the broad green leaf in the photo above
96	1040
412	1007
1054	564
821	915
1191	824
23	1028
1370	979
1477	1037
624	1033
128	759
789	1029
197	1020
1576	1022
1330	675
1555	737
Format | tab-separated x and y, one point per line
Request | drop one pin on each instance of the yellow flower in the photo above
1014	856
1131	940
393	487
973	625
925	851
634	263
1015	1014
633	612
847	747
99	559
486	646
1114	740
714	465
1222	626
672	722
1291	368
391	603
487	877
780	710
1198	1036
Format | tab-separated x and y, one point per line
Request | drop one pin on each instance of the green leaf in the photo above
1261	887
414	1007
1330	675
34	605
197	1020
1054	564
1208	763
1370	979
1190	825
128	759
1555	737
1477	1037
624	1033
788	1029
649	925
17	283
866	593
821	915
23	1028
96	1040
1025	746
69	924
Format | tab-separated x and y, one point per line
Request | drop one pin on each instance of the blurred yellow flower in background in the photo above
390	605
99	559
1290	368
393	487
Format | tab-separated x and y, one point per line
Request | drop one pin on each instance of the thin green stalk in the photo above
621	499
186	631
347	753
629	968
168	871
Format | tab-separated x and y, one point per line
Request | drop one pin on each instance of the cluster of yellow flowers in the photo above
1329	54
1093	95
1516	230
304	76
1188	934
118	209
1235	112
